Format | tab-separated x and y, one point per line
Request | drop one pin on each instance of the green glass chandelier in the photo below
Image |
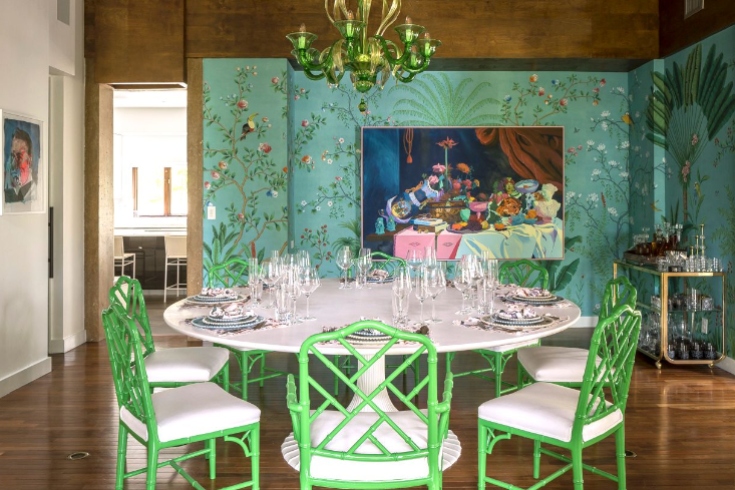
370	59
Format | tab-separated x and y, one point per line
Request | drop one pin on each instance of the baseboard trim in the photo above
25	376
62	346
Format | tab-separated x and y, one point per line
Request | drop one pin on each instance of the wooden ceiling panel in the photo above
141	37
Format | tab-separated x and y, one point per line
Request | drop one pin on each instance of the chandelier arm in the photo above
390	17
387	45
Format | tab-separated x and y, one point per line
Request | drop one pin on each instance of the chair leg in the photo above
481	453
165	280
133	266
577	468
536	459
122	447
178	279
620	456
255	456
244	371
226	376
212	455
498	368
150	477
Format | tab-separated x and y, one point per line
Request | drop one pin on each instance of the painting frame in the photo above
24	171
498	190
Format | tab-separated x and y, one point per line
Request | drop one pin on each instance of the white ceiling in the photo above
150	98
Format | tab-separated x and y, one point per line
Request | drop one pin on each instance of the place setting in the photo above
215	297
534	296
230	319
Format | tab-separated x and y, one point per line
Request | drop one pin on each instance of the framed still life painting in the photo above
497	191
23	170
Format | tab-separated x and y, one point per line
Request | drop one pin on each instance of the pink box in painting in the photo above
447	244
408	239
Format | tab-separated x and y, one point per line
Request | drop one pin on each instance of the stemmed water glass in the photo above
293	290
463	282
436	283
310	281
401	294
255	280
364	264
344	262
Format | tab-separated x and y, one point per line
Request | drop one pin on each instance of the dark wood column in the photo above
98	203
194	137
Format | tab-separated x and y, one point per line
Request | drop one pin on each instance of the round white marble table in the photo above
334	307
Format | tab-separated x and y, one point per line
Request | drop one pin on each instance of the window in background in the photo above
159	191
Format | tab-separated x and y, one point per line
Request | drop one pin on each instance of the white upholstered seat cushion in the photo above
545	409
509	347
185	364
336	469
554	364
193	410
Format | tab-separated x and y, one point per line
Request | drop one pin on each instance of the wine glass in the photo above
272	272
303	260
430	257
364	264
414	260
309	283
421	291
344	262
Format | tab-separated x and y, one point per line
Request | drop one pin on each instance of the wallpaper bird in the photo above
626	118
249	126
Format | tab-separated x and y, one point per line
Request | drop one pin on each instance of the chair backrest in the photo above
118	247
175	245
524	272
609	365
618	291
314	398
128	294
128	367
229	274
388	263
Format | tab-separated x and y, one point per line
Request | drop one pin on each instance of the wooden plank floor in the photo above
679	422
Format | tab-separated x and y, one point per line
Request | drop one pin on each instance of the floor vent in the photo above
692	7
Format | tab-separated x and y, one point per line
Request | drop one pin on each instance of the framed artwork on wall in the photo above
23	171
464	190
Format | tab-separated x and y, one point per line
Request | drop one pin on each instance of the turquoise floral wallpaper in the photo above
282	156
690	120
245	158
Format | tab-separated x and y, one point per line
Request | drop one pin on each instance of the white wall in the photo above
66	194
24	89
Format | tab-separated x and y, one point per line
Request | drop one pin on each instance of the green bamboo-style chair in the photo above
366	444
168	367
233	273
387	263
525	273
200	412
567	418
565	365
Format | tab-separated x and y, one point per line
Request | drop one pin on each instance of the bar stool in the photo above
122	259
175	248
